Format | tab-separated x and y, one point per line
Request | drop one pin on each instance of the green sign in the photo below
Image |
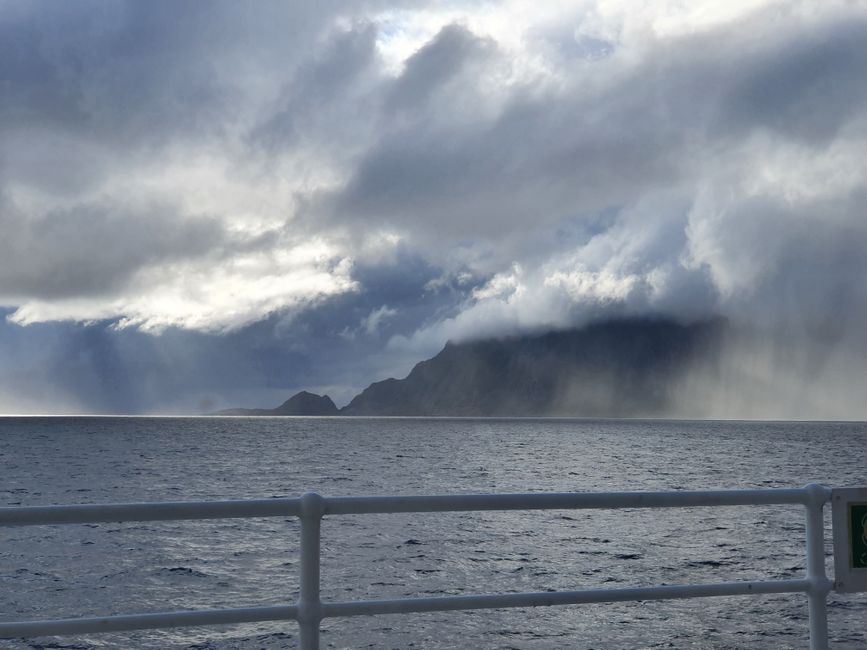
858	535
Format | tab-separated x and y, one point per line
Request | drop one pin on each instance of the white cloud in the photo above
376	318
210	295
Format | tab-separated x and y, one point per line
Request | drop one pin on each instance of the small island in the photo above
303	403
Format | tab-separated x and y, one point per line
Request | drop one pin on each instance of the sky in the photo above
214	204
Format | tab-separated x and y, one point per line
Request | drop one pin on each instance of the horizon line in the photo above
424	417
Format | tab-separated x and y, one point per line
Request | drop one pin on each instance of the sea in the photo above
49	572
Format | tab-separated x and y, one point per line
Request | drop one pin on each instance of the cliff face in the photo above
614	369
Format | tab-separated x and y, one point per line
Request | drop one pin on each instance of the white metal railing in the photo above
309	610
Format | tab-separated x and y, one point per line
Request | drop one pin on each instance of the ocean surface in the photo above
68	571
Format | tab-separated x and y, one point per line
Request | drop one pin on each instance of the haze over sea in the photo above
66	571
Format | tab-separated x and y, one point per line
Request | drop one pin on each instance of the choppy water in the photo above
66	571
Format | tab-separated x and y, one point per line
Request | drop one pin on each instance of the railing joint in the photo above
817	494
819	585
312	506
310	612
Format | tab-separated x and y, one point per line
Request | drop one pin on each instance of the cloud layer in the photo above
209	167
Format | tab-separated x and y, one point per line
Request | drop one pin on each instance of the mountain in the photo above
612	369
302	403
620	368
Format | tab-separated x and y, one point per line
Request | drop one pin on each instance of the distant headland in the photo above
303	403
619	368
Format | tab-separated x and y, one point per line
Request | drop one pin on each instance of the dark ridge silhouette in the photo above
621	368
612	369
302	403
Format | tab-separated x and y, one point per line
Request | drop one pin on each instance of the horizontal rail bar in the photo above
131	622
548	598
289	507
167	511
128	622
564	501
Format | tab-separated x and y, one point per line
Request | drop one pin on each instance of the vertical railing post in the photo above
820	585
309	603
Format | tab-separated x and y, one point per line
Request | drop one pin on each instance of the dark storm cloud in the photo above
577	147
319	87
135	72
95	249
438	61
804	88
529	166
